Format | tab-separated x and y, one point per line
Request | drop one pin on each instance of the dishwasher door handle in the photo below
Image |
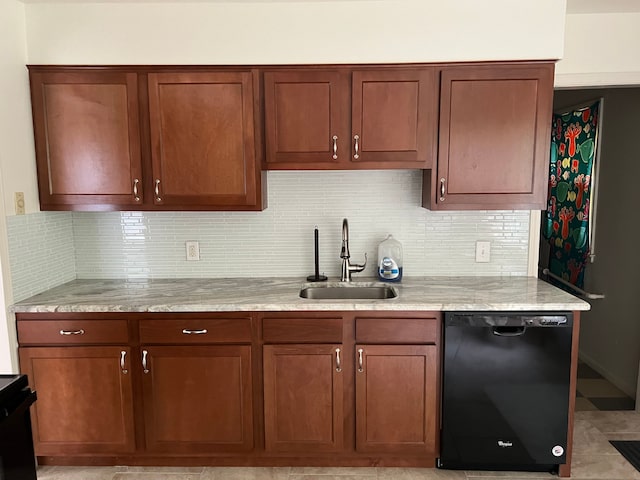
509	331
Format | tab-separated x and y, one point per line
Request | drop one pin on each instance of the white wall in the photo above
17	156
600	49
301	32
17	163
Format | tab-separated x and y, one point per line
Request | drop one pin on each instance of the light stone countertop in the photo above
281	294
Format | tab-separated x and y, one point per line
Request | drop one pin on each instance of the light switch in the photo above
19	201
483	252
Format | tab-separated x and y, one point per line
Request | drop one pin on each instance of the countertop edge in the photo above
281	294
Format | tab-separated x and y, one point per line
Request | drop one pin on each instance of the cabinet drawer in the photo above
397	330
302	330
196	330
72	332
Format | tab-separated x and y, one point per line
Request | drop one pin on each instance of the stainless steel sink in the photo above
347	292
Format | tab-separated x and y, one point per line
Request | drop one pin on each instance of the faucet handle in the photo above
358	268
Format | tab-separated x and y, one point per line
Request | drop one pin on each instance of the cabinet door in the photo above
87	138
495	125
197	399
303	398
203	140
394	117
306	119
84	399
396	399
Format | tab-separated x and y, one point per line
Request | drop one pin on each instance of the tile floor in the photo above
593	459
593	392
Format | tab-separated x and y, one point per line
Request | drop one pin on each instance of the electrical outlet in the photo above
483	252
19	201
193	250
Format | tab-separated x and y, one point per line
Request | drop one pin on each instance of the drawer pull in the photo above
335	147
338	363
122	355
356	146
442	189
194	332
360	361
72	332
145	369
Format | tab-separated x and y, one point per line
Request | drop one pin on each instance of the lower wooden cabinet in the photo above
85	402
282	388
303	398
197	399
396	399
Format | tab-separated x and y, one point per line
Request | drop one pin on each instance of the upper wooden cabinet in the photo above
494	137
192	138
87	137
202	138
304	111
350	119
147	138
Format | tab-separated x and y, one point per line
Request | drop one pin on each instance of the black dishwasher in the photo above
505	390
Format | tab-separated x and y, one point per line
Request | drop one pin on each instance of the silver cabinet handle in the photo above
335	147
135	190
72	332
360	361
122	355
157	190
194	332
356	146
338	363
145	369
442	188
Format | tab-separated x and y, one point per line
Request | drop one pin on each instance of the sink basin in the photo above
349	293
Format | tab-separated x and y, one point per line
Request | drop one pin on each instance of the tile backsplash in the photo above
279	240
41	252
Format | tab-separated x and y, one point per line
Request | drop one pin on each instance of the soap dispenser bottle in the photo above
390	260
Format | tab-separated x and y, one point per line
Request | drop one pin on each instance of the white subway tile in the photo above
279	240
50	248
41	252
